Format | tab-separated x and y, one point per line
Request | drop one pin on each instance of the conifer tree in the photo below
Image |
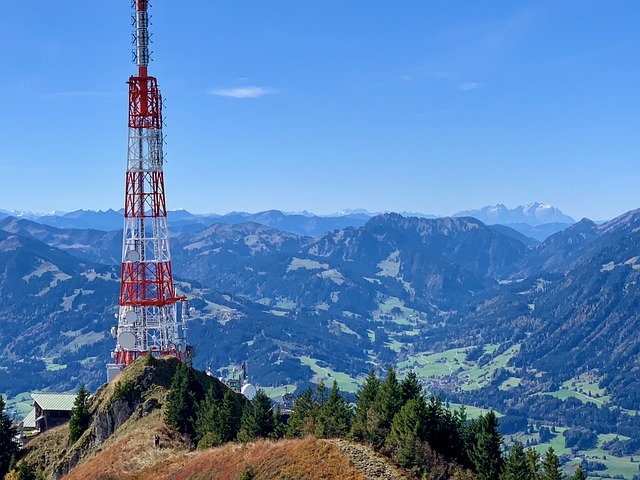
408	433
248	427
447	432
387	403
580	473
334	416
321	394
486	454
230	415
551	466
208	421
515	466
438	424
80	416
182	408
218	421
8	448
279	427
410	387
364	401
465	437
532	459
257	418
302	419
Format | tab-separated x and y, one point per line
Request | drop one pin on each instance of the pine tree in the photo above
8	448
408	432
515	466
279	427
248	427
486	454
218	421
364	401
551	466
387	403
182	408
80	416
410	387
580	473
532	459
208	421
465	436
321	394
334	416
446	432
230	415
302	419
257	418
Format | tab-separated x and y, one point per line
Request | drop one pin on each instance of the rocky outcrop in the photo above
129	409
371	465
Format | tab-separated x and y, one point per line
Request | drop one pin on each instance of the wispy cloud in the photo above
468	86
242	92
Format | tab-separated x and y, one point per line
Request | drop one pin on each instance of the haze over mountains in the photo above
535	220
541	331
380	292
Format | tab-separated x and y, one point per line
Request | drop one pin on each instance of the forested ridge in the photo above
394	416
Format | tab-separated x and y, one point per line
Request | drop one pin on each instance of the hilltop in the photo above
126	414
147	423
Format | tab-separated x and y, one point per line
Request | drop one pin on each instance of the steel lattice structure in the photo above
147	321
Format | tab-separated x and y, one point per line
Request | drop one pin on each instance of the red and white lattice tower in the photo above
148	317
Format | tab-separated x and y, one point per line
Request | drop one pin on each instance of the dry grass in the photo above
130	451
134	457
308	459
43	451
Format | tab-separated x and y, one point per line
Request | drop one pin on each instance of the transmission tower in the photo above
151	317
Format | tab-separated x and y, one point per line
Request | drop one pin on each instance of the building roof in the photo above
29	421
54	401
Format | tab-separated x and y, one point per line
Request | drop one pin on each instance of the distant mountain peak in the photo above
304	213
532	214
352	211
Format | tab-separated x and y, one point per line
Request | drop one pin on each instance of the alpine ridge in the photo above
536	318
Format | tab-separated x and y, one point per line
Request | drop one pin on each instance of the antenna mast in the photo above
148	321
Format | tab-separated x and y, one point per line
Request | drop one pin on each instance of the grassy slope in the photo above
50	452
129	453
308	458
132	456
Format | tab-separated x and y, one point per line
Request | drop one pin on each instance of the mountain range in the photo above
483	316
535	220
532	214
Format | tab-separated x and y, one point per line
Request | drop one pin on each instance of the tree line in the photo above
394	417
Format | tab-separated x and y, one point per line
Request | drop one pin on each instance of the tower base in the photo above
112	371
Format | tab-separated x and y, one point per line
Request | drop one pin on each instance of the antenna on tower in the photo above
149	321
141	38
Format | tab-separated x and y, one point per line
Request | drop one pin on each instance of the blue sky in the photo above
426	106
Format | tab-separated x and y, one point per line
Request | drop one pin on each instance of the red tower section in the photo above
148	316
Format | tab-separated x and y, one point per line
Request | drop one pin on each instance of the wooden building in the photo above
50	410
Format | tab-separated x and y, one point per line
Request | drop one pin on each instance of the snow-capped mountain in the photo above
532	214
535	220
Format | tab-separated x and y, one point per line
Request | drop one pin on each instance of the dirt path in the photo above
371	465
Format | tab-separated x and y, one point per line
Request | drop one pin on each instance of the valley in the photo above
483	319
